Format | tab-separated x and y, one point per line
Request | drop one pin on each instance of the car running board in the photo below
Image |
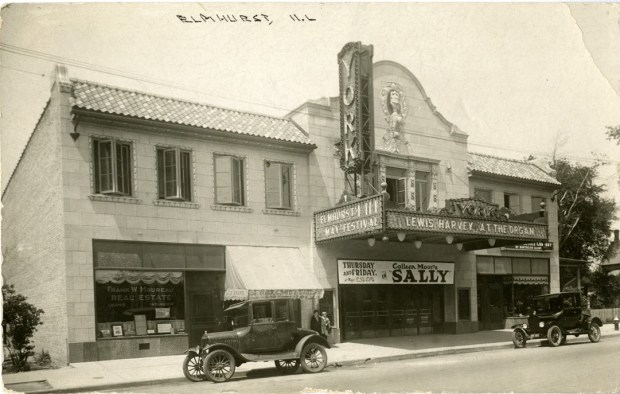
270	357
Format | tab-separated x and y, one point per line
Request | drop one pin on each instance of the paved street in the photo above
578	366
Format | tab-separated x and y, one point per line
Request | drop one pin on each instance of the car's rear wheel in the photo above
287	366
518	339
313	358
594	333
219	366
192	368
554	336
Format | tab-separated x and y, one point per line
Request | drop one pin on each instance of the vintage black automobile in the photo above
260	330
555	316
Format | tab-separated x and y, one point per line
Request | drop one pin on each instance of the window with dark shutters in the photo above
278	185
174	174
229	180
112	165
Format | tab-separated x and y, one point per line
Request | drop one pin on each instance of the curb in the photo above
349	363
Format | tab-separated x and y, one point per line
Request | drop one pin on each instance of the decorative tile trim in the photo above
231	208
176	204
283	212
107	198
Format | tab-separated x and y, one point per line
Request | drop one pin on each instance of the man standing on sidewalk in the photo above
315	322
326	325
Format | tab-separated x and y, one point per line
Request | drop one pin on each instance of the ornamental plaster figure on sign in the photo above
395	108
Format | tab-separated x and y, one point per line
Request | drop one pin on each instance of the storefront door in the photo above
372	311
204	307
490	302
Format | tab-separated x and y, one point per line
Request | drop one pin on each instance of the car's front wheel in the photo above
554	336
219	366
313	358
192	368
594	333
287	366
518	339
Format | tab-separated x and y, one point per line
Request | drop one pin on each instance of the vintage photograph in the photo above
310	197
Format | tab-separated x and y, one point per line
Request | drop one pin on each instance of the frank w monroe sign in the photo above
394	272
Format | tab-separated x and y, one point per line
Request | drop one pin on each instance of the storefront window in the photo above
484	265
142	302
144	288
523	278
540	267
521	266
503	265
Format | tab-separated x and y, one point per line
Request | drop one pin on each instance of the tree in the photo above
613	133
606	289
584	216
19	322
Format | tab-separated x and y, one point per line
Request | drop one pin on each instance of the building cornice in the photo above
122	121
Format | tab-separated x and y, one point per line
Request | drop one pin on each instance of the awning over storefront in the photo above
137	277
254	272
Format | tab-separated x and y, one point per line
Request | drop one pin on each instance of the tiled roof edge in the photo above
77	80
502	158
520	161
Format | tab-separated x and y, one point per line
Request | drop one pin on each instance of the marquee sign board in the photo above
356	122
364	216
454	225
368	272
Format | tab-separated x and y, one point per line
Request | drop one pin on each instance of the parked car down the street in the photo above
556	316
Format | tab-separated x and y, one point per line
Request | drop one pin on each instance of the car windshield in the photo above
547	304
237	317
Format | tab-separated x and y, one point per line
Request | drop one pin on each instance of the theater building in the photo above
426	237
133	220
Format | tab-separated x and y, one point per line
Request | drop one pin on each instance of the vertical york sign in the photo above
348	65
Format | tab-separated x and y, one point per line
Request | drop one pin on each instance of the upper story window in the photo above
174	174
112	165
483	194
536	203
278	185
422	190
512	201
229	180
396	185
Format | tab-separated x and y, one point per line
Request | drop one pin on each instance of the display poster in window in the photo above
122	301
141	327
162	313
369	272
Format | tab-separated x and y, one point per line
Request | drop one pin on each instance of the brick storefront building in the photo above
134	219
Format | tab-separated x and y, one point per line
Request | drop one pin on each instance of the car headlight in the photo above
541	324
525	325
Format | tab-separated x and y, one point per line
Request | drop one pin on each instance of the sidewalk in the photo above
117	374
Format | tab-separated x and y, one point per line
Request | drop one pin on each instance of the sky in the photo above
516	77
